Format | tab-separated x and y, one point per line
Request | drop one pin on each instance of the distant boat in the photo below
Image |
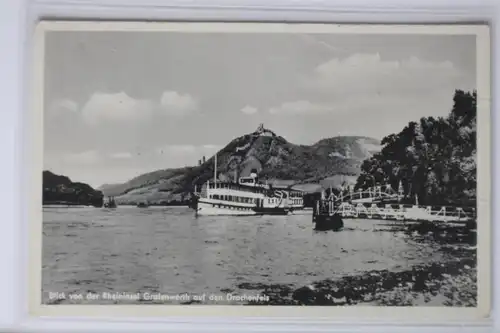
143	204
110	203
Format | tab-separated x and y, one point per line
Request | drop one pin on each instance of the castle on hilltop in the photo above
262	131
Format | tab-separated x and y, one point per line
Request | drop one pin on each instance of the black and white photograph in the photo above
262	167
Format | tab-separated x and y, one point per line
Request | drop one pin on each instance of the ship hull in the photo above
222	209
272	211
327	222
301	211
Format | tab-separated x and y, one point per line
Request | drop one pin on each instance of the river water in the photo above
167	250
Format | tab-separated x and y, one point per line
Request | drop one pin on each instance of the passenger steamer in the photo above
247	196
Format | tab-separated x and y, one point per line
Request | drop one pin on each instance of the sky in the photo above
119	104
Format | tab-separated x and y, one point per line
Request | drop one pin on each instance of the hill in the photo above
59	189
276	160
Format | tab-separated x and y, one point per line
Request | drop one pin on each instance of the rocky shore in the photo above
451	284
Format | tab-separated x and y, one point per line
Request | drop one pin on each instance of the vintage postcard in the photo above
186	169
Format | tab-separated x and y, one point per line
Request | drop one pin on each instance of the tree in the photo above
434	158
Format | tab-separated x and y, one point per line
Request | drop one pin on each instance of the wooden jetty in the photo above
382	202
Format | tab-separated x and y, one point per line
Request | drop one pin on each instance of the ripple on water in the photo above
168	250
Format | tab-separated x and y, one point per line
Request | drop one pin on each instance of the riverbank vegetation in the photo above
60	190
434	158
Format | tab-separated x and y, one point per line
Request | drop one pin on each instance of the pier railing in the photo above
400	212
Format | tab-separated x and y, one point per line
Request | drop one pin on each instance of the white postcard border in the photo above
416	315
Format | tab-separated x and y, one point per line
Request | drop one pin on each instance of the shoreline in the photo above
90	206
453	284
436	284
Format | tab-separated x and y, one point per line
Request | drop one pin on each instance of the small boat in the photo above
110	203
143	204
